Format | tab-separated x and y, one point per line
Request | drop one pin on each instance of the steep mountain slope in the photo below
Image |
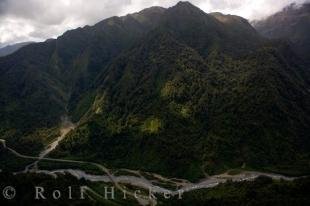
12	48
31	97
43	81
292	23
174	91
184	101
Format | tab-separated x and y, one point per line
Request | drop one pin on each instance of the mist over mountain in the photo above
12	48
175	91
292	23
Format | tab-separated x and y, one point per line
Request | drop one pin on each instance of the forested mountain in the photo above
12	48
292	23
174	91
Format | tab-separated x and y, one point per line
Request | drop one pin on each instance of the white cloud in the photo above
247	8
36	20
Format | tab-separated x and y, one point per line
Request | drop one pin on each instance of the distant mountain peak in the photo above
153	9
167	90
9	49
184	3
291	23
227	18
186	7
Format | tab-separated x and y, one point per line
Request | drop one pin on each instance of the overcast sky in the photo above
37	20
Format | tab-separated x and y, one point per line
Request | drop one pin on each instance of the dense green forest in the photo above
175	91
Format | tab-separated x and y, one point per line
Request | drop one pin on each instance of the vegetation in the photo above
173	91
170	106
262	191
10	163
291	25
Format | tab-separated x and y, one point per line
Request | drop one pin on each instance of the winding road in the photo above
139	180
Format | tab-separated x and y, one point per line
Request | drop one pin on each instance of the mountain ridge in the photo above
181	94
291	24
7	50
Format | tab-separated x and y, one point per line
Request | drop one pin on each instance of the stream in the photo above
147	184
66	127
138	180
